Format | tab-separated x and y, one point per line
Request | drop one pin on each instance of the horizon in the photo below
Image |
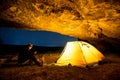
9	36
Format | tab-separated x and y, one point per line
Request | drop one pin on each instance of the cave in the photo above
94	21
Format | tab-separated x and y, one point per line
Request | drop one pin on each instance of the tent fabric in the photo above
79	53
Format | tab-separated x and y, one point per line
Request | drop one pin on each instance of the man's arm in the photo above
35	52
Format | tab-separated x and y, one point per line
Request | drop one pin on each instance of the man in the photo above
28	54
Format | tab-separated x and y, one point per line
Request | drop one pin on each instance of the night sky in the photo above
11	36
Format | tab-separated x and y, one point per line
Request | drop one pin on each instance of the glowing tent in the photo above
79	53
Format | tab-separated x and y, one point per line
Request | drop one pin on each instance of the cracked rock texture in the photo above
95	21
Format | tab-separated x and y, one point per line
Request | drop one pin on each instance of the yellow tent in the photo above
79	53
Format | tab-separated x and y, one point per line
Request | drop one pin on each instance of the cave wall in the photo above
96	21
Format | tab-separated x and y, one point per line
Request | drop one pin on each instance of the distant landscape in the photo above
13	49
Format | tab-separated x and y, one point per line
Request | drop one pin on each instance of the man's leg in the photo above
33	58
21	61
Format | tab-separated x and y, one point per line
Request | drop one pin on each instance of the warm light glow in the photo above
79	54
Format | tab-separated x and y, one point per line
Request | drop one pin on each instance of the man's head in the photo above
30	45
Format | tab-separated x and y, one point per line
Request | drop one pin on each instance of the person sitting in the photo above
28	54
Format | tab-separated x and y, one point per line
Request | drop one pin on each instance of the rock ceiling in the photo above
96	21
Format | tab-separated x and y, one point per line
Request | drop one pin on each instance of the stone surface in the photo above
95	21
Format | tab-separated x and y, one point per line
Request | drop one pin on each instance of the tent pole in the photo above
83	54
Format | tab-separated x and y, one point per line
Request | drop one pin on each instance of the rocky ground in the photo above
109	70
96	21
